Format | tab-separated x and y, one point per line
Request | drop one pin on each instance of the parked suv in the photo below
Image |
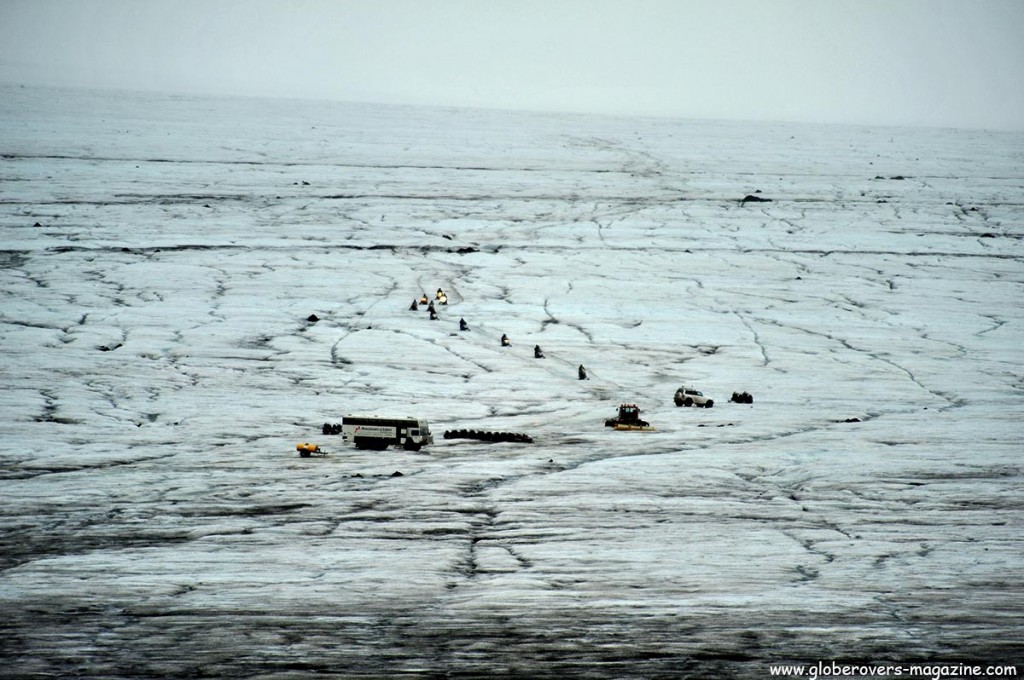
688	396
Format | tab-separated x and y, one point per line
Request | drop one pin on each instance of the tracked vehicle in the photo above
628	419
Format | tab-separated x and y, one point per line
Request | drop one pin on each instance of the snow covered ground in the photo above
161	254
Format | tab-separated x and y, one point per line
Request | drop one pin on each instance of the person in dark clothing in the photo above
415	305
582	373
463	326
505	342
537	352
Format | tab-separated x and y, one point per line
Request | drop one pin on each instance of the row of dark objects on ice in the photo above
487	436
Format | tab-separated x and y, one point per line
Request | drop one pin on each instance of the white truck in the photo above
690	396
372	432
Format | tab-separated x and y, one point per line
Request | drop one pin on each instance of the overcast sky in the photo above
907	62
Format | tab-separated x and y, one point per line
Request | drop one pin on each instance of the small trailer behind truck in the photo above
371	432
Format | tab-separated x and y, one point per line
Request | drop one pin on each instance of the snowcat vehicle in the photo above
628	419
